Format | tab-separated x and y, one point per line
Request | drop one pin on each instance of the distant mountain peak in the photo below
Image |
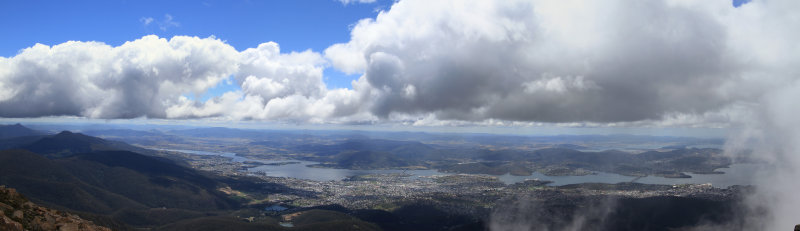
66	143
17	130
68	135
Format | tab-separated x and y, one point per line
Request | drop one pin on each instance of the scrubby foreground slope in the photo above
17	214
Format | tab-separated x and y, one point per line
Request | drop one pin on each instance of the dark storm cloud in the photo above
432	62
525	61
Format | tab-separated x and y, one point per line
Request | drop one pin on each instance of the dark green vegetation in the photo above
459	153
64	144
662	163
101	181
67	143
565	212
386	154
489	167
124	185
123	189
371	154
127	187
306	220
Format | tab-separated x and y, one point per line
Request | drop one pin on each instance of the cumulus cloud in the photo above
670	63
279	86
543	61
266	72
92	79
153	77
634	63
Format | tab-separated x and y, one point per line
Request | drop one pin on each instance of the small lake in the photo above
736	174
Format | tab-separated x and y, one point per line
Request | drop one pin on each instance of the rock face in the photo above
18	214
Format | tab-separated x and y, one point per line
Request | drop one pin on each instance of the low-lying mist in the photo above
771	133
556	211
528	213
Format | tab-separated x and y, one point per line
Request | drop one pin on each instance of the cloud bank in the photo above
446	62
155	78
455	62
91	79
544	61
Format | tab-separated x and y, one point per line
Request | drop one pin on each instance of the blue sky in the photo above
294	25
737	3
424	63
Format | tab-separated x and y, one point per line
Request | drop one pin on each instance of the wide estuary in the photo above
736	174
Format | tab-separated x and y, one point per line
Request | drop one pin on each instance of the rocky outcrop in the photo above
18	214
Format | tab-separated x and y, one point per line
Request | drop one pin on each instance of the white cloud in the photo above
146	20
346	2
164	24
462	62
266	72
279	86
167	23
543	61
91	79
150	77
346	58
657	62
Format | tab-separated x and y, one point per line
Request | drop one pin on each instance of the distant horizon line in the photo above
534	131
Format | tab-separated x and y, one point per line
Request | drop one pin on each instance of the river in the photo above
736	174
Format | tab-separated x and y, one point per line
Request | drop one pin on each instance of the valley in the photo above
209	178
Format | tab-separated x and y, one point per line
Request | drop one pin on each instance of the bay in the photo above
736	174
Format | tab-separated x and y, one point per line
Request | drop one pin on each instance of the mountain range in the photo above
124	187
